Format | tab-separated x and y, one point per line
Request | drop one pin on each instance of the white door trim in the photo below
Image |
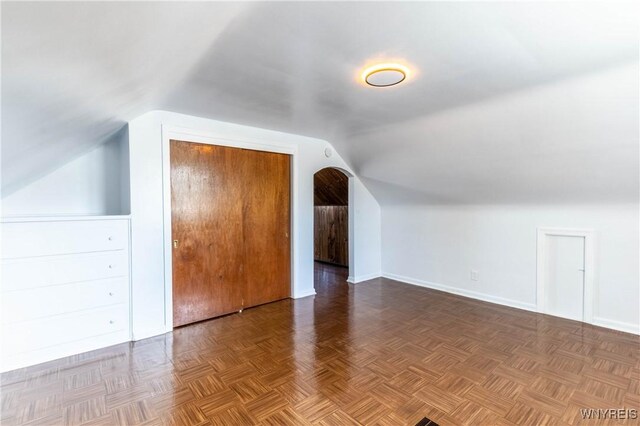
198	136
589	307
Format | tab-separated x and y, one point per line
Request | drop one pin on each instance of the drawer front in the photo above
42	333
30	239
34	303
21	274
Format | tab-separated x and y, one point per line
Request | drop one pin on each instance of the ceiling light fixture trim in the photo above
385	75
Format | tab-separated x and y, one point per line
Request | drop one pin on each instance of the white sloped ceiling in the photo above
507	102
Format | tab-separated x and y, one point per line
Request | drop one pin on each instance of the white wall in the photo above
147	221
96	183
366	223
437	246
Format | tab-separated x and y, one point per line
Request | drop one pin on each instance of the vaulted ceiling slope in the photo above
507	103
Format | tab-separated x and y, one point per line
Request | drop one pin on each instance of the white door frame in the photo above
589	265
198	136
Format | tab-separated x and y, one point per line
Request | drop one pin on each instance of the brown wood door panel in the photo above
230	211
267	213
206	206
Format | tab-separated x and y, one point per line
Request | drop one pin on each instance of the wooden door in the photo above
226	204
266	222
206	225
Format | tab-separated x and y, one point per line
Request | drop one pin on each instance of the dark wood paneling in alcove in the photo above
331	233
331	188
331	217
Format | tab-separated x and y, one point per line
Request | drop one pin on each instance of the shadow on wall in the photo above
96	182
16	174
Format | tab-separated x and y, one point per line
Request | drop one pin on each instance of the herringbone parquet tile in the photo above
377	353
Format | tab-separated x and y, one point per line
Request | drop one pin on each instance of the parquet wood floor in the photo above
380	352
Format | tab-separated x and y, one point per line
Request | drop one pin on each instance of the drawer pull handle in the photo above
111	321
110	294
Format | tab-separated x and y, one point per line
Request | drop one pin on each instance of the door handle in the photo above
175	243
581	270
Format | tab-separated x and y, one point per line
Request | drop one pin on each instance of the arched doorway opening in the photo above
331	224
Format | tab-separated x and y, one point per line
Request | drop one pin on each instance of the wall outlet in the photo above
475	275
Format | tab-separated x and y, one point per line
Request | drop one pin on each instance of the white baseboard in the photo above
617	325
149	332
51	353
463	292
601	322
360	278
303	293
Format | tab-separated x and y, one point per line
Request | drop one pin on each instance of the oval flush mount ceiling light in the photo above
385	75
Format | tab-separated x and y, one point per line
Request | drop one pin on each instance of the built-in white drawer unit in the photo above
62	299
65	287
32	239
49	332
26	273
